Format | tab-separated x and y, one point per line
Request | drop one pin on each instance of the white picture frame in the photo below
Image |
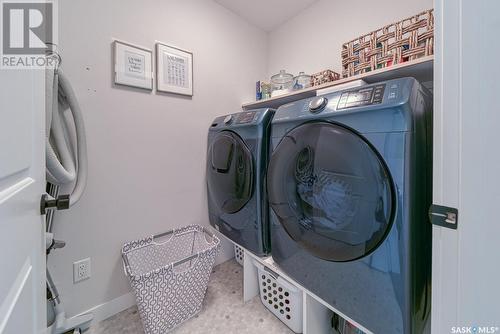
174	70
133	65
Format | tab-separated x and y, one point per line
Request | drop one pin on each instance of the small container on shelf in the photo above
258	91
281	83
324	77
265	89
262	90
301	81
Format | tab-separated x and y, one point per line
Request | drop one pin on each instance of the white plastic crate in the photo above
281	297
239	254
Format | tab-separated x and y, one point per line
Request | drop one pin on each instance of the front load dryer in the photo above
237	157
349	185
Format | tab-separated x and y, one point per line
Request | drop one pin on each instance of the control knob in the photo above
317	104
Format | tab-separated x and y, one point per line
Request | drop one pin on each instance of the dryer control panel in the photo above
361	97
246	117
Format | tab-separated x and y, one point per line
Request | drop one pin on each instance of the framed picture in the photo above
174	70
133	65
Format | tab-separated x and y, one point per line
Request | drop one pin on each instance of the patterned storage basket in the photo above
395	43
169	275
324	77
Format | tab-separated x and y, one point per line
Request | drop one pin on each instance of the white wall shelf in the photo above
317	313
421	69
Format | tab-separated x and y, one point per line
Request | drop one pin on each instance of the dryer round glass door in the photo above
229	172
331	191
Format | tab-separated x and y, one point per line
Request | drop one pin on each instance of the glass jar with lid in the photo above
302	81
281	83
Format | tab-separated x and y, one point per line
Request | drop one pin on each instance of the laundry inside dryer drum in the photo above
337	208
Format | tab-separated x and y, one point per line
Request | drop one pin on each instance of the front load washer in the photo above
237	157
349	184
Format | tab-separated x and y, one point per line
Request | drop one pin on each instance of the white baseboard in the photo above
108	309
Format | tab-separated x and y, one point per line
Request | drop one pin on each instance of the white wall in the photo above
146	150
312	41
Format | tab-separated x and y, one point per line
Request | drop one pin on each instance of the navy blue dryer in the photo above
237	157
349	184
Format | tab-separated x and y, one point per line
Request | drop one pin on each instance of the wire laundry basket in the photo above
169	275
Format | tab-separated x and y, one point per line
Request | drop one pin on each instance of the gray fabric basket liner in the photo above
169	274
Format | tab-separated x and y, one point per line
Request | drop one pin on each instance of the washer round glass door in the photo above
229	172
331	191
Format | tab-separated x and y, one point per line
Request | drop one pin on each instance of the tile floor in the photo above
223	311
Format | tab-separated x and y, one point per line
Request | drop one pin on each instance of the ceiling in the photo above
266	14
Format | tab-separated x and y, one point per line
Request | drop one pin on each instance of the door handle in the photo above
443	216
50	203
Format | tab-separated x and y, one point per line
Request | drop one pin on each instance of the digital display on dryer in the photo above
361	97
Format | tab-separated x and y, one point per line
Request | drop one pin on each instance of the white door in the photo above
466	261
22	182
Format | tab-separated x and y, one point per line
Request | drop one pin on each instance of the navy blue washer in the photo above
349	184
237	157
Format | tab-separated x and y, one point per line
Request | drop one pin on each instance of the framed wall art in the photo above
133	65
174	70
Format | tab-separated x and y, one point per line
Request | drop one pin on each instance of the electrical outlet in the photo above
81	270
